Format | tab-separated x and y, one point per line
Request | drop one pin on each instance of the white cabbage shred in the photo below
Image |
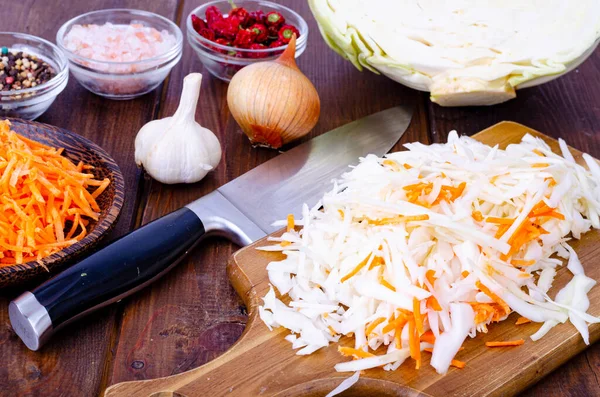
426	247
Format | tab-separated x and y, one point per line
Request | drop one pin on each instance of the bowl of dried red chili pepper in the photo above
227	37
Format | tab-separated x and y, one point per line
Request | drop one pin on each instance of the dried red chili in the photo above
286	32
258	46
261	32
256	17
226	28
274	18
207	34
241	15
198	23
244	38
213	14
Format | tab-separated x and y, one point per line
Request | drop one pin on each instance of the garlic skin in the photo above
273	101
177	149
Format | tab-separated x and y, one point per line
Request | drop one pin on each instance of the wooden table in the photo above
192	315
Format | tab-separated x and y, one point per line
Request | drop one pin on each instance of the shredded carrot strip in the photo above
538	152
458	364
374	325
520	262
392	164
390	325
377	261
477	215
501	230
407	166
291	223
413	343
465	273
43	196
387	285
518	342
418	317
430	276
493	296
540	165
414	218
356	269
500	221
522	320
428	337
285	243
349	351
433	304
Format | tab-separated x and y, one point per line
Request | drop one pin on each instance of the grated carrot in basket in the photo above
44	199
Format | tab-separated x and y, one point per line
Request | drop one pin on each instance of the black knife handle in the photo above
125	266
122	267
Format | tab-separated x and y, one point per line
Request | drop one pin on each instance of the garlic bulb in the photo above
177	149
273	102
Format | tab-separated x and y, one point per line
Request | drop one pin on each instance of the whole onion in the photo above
273	102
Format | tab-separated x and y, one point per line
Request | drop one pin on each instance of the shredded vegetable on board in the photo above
44	199
419	250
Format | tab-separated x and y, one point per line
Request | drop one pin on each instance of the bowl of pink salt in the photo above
120	53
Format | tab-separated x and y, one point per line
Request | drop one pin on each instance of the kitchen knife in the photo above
243	210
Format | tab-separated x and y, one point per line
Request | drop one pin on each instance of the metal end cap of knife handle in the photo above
30	320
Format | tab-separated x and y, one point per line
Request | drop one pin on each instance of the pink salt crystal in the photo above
118	43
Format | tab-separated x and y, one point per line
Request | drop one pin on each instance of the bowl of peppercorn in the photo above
33	72
227	38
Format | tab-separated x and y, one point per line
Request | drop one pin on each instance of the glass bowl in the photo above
30	103
122	80
224	61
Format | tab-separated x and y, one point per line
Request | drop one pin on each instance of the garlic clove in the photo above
274	102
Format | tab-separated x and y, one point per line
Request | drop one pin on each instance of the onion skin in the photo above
274	102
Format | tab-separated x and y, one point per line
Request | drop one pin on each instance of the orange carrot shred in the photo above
291	223
428	337
522	320
356	269
458	364
433	303
477	215
374	325
518	342
500	221
349	351
493	296
418	316
413	343
430	276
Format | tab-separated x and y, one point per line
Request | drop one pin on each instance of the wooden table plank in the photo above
73	362
568	107
192	315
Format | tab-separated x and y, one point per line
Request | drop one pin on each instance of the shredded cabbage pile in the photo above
423	248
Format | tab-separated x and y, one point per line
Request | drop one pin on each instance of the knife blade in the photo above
243	210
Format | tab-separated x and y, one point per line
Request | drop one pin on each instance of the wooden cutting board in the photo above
263	363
